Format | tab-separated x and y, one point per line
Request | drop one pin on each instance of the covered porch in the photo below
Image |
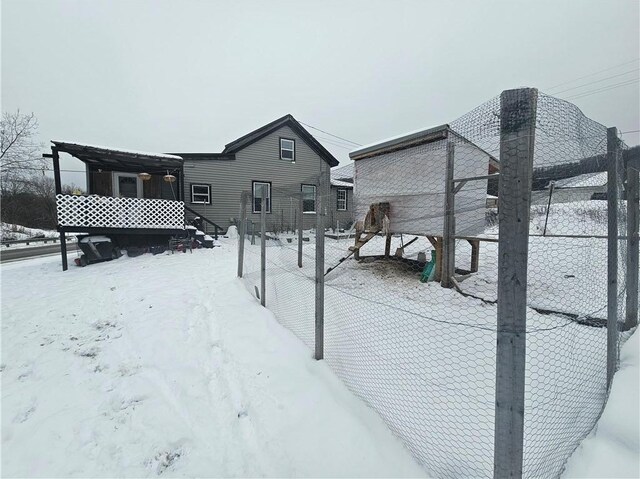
129	194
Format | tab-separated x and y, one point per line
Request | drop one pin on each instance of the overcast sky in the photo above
195	75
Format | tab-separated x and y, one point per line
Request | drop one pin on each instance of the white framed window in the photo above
287	149
342	200
201	194
308	198
257	188
127	185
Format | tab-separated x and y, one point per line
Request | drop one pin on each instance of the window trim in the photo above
346	199
293	151
116	183
253	197
315	198
208	186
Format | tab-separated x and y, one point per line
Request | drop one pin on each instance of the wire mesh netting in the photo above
409	283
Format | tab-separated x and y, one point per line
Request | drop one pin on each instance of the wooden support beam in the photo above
449	228
387	246
475	255
356	249
459	186
436	242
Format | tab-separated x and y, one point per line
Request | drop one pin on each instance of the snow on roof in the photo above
342	172
120	150
344	184
581	181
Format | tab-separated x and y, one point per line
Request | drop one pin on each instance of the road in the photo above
9	254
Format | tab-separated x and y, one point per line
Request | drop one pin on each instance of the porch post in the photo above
58	183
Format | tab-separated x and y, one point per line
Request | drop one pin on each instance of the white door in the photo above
127	185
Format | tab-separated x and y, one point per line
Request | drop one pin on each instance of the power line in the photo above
339	145
597	81
607	88
592	74
331	134
338	142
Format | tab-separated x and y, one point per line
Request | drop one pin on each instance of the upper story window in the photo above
287	149
342	200
201	194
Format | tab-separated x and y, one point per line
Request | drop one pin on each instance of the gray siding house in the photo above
281	156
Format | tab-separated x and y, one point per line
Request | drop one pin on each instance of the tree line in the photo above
27	194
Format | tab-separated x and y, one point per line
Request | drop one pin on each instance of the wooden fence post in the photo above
633	266
517	138
320	224
613	160
300	229
241	232
263	245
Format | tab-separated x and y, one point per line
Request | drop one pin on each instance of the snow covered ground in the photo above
165	365
424	356
18	232
613	448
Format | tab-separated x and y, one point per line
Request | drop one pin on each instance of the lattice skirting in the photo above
108	212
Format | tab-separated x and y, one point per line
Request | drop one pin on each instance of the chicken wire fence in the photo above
408	304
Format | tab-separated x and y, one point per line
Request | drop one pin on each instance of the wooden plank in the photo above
517	138
471	178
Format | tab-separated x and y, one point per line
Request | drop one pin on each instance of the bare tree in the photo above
19	148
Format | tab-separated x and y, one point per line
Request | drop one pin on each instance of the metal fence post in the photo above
320	223
613	159
243	225
449	242
633	266
263	245
517	137
300	230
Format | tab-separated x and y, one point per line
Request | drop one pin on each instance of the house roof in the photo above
116	158
291	122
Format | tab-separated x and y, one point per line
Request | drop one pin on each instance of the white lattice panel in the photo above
108	212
